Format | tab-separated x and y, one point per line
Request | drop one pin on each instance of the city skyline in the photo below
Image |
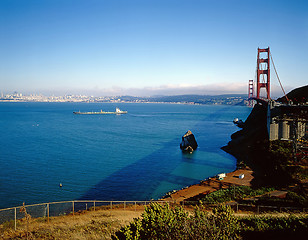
144	48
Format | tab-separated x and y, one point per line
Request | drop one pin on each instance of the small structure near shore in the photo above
189	143
221	176
238	122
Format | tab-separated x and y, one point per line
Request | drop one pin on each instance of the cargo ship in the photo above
117	111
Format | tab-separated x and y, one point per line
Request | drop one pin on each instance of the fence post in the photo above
94	206
111	205
15	219
124	205
135	206
73	208
47	212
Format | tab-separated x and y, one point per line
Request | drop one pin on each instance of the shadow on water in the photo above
144	177
140	179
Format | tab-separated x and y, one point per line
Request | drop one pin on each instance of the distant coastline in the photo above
227	99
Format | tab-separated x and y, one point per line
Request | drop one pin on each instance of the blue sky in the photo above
149	47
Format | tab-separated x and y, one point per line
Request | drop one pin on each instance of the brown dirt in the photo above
212	184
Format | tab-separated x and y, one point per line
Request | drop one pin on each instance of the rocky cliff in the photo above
273	162
252	148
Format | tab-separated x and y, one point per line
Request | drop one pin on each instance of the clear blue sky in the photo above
146	47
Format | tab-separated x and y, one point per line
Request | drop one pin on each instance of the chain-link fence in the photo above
53	209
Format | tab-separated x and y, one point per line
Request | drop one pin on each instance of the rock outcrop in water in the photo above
189	143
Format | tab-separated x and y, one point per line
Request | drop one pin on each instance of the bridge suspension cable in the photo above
279	79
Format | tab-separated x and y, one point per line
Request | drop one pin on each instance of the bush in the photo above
271	223
234	193
296	198
162	222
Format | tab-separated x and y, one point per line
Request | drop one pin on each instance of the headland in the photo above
265	157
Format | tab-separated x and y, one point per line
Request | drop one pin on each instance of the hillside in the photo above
226	99
298	95
99	224
160	222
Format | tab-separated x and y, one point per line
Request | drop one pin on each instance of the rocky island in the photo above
189	143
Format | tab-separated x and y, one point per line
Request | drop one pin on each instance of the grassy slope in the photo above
99	224
102	224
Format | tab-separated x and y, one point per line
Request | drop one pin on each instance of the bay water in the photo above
134	156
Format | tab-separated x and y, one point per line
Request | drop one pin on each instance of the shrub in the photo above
234	193
162	222
273	223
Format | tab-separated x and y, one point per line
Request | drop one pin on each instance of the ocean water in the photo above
135	156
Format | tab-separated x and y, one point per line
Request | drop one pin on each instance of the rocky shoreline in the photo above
197	191
243	146
252	149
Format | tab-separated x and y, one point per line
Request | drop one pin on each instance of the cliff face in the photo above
254	128
252	148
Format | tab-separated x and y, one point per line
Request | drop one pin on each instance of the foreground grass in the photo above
100	224
160	222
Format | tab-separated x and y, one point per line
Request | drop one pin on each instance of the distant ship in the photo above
117	111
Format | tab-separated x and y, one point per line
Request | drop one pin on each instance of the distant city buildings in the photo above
181	99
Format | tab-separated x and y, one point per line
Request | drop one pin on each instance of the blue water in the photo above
135	156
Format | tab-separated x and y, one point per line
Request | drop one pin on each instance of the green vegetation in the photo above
235	193
282	227
299	199
292	199
281	151
162	222
281	154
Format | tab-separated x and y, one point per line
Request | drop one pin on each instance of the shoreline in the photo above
210	185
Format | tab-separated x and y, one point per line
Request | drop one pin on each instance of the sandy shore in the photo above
211	185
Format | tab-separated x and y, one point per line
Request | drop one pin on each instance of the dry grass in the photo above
99	224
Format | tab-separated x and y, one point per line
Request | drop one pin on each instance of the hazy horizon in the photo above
152	92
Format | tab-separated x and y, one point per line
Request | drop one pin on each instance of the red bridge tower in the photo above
263	72
250	92
250	89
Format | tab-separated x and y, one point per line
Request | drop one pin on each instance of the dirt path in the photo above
213	184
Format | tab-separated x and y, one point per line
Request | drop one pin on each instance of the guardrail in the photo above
252	208
53	209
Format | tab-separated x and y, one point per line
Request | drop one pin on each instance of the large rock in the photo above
188	143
